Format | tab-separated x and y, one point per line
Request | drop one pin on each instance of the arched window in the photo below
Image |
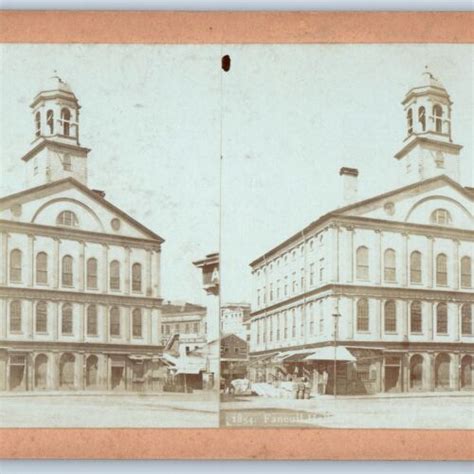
137	323
362	263
136	277
410	121
415	267
422	118
115	275
92	273
67	271
362	315
466	272
441	270
15	316
390	316
67	218
50	121
92	320
66	319
15	265
115	321
442	319
390	265
438	118
66	121
466	320
67	163
441	217
42	268
416	322
38	124
41	317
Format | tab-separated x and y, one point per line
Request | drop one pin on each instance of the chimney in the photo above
349	184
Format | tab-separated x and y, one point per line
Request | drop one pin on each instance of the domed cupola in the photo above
428	148
55	151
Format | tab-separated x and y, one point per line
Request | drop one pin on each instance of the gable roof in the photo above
466	191
92	194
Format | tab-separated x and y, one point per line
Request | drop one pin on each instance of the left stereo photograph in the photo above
109	236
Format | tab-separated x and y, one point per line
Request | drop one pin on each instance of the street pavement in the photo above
437	411
99	410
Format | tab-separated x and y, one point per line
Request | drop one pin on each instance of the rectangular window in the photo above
302	280
286	286
293	283
311	274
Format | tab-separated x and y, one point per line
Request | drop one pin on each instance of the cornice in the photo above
60	346
78	235
379	345
79	297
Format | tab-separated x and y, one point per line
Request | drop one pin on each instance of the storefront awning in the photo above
339	353
294	356
190	365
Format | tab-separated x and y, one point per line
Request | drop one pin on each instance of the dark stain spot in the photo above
225	61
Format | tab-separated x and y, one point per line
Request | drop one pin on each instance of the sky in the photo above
285	118
151	118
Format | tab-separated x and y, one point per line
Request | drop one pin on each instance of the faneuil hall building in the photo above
379	291
80	300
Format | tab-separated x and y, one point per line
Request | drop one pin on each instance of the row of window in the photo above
416	317
416	265
41	319
270	326
363	271
65	122
67	271
184	328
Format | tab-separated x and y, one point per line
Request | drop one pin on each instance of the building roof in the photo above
170	308
211	259
339	211
93	194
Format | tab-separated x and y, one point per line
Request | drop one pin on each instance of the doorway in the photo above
41	372
17	372
118	377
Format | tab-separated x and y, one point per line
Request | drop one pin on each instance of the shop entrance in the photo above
392	374
67	371
466	372
91	371
17	372
118	374
416	372
41	371
442	371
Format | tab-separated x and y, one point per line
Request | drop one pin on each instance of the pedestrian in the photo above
325	380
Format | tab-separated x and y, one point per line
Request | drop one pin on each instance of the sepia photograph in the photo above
348	237
109	225
272	239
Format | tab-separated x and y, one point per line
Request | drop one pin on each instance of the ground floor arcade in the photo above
373	369
27	369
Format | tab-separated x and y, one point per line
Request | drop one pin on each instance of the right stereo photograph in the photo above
347	237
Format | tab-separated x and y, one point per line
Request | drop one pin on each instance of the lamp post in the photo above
336	315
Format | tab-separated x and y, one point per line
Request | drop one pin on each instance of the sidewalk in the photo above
195	395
